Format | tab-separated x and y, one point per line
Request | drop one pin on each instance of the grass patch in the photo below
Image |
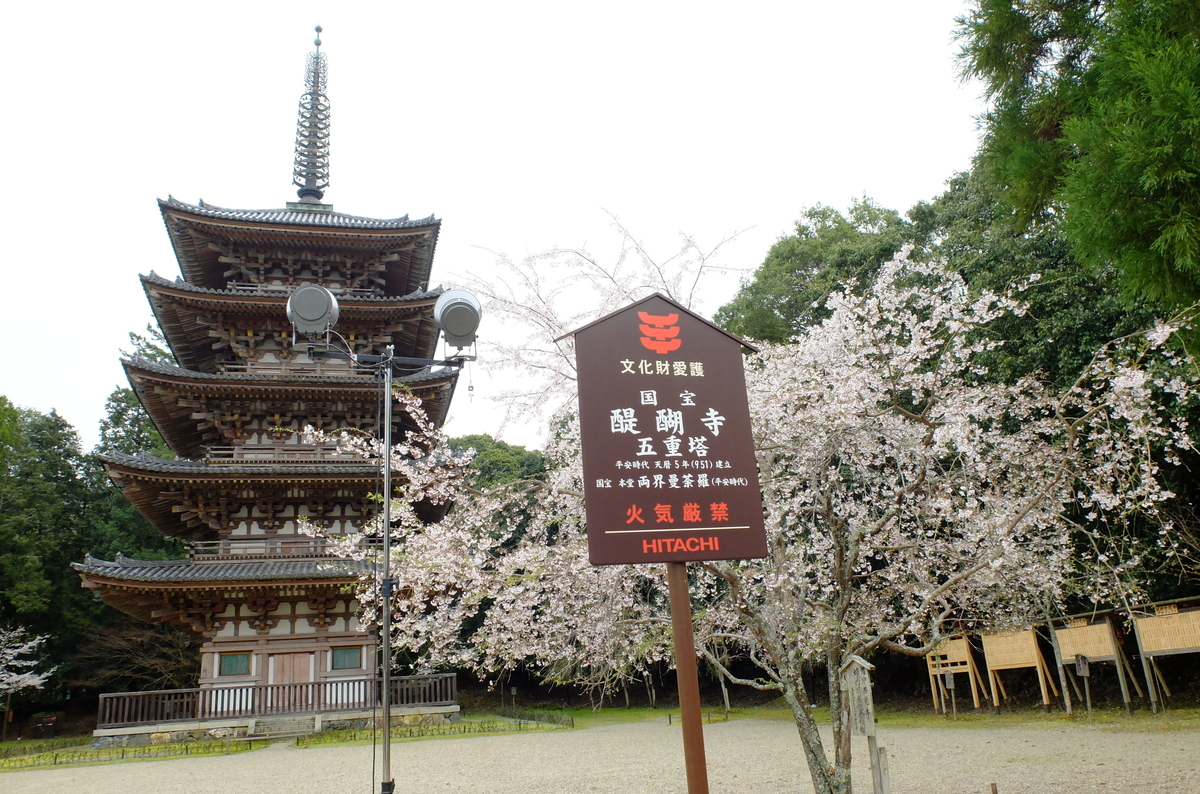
475	726
88	755
32	746
1110	719
586	718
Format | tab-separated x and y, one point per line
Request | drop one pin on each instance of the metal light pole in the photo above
388	785
313	309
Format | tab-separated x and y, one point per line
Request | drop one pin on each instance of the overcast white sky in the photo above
518	124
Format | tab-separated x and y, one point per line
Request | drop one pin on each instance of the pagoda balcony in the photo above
333	699
268	455
333	368
257	548
286	289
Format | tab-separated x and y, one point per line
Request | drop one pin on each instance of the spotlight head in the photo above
457	312
312	309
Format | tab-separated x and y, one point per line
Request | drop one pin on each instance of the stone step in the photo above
267	727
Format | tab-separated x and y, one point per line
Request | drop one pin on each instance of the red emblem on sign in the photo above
659	332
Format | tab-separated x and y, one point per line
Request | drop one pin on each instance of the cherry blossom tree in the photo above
906	499
538	299
425	470
17	673
512	549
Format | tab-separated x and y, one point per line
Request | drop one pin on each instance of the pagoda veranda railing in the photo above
258	547
268	454
264	700
335	369
282	288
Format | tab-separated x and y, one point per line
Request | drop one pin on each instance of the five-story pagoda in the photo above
271	607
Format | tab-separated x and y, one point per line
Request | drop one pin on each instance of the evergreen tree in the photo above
1096	119
1071	311
788	291
497	462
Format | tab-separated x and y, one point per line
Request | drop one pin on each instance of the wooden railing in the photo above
335	368
256	547
261	700
256	286
281	453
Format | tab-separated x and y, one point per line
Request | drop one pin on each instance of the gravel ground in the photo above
744	756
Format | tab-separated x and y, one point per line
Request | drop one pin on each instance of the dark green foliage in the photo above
789	289
497	462
42	498
1096	123
1072	310
1032	59
126	427
152	345
56	505
1133	193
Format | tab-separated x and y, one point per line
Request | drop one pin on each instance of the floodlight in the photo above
312	309
457	313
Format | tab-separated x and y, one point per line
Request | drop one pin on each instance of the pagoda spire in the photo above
311	171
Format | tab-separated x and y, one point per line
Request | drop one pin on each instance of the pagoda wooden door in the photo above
291	678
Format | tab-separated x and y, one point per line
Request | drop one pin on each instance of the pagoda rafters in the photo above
311	170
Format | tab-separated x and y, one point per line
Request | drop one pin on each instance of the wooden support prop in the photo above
1073	680
856	682
884	774
873	749
1161	681
689	683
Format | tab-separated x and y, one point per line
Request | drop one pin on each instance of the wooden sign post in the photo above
1084	671
856	681
668	462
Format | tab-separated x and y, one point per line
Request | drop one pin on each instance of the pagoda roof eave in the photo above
153	467
370	303
146	588
147	482
290	381
299	218
131	572
153	382
180	309
194	229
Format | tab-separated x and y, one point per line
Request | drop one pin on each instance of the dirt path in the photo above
744	757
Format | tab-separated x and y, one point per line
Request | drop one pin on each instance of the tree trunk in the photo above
839	716
724	692
826	779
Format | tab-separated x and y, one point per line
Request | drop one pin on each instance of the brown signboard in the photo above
668	456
